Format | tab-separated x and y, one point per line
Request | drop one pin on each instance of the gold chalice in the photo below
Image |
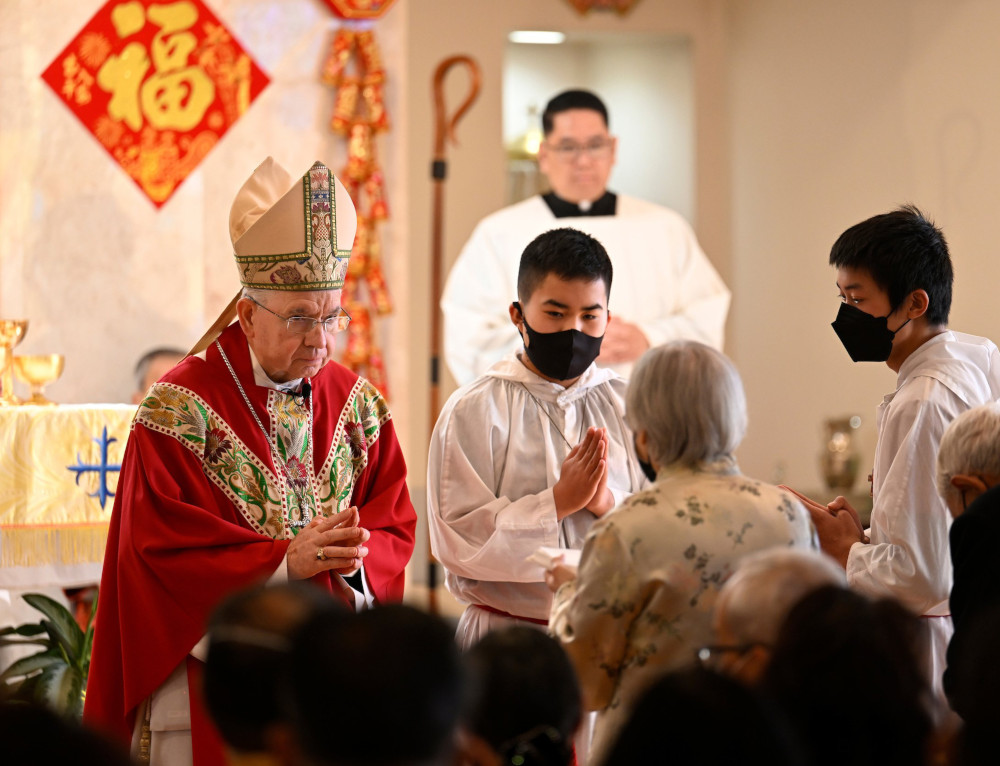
11	333
38	370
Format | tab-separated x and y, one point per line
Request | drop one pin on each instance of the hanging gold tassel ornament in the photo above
353	66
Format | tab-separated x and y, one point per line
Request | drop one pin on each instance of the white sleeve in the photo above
909	558
702	298
477	327
473	532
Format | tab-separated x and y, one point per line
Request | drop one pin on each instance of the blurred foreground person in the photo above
698	716
249	648
386	690
847	673
36	736
524	701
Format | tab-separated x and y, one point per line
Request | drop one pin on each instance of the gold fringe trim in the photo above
27	546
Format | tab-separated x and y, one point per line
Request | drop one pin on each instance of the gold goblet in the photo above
38	370
11	333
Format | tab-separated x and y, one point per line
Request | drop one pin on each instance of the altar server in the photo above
535	450
894	276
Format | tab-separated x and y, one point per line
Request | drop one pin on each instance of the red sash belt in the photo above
534	620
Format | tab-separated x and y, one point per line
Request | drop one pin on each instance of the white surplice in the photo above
663	282
908	558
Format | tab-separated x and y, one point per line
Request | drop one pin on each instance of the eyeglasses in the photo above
597	149
710	656
302	325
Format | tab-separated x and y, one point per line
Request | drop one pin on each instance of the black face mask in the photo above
647	468
867	338
560	355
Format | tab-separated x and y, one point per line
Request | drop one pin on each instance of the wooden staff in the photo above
444	130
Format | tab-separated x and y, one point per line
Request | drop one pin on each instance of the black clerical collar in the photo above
560	208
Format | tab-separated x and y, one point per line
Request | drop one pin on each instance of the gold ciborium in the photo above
38	370
11	333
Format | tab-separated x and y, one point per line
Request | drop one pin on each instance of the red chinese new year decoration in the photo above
158	84
354	68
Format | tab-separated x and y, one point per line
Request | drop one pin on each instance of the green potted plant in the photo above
55	676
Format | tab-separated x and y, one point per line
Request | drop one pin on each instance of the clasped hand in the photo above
341	539
837	523
583	480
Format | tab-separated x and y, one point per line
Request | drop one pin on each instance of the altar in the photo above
58	476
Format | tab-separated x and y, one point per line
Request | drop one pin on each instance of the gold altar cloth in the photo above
58	474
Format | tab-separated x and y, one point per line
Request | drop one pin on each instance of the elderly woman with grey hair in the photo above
641	603
968	477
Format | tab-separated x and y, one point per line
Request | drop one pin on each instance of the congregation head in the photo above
523	699
152	366
689	401
754	602
700	716
394	673
902	251
968	461
827	637
249	648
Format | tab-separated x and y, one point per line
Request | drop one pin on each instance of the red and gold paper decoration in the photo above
354	68
158	84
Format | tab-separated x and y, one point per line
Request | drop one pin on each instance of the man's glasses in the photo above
711	656
598	149
302	325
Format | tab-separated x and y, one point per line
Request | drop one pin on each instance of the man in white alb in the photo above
665	286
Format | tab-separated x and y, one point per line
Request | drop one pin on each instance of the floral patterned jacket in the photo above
649	575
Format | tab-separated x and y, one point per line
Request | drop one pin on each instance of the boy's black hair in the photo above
902	251
572	99
567	253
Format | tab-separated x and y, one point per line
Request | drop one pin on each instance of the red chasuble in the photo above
203	509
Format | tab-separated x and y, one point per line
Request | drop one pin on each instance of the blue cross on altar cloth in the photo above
103	468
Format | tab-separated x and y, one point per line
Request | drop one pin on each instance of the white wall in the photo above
841	111
100	273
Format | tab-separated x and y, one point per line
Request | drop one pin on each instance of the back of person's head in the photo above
380	687
689	400
970	445
568	254
35	736
572	99
839	653
754	602
697	716
902	251
152	366
249	647
524	699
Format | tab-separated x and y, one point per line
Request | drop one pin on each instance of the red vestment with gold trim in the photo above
202	510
